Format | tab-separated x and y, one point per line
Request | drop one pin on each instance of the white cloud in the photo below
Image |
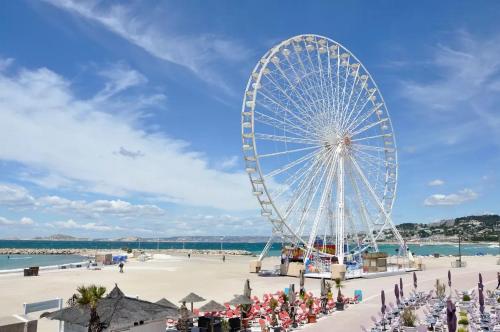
196	52
15	196
91	226
98	208
229	163
436	182
50	130
460	97
458	198
19	197
23	222
26	221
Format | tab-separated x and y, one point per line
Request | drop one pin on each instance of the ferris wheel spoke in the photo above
330	79
306	104
291	164
266	155
318	79
346	108
355	107
375	159
369	126
286	109
306	76
362	209
303	109
331	168
369	187
286	139
299	80
371	137
345	78
281	124
294	178
373	148
357	121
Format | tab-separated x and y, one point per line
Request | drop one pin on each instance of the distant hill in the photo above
59	237
470	228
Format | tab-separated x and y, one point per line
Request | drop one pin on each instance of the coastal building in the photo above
117	312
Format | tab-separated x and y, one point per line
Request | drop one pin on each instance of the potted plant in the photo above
245	308
463	322
273	304
440	289
409	319
285	306
311	317
466	300
339	305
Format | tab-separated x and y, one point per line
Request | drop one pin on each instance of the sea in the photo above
21	261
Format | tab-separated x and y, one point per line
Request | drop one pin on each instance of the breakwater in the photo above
91	252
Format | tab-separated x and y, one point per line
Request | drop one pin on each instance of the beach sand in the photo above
176	276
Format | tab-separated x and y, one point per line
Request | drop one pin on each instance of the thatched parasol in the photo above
414	280
401	287
241	300
212	306
481	286
166	303
191	298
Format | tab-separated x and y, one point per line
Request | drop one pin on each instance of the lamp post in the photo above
459	250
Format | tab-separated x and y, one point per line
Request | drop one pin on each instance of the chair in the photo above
234	324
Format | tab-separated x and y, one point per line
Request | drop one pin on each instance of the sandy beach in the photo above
175	275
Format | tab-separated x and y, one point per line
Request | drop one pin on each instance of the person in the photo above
223	258
121	267
189	255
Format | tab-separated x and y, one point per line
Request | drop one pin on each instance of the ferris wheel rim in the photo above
281	222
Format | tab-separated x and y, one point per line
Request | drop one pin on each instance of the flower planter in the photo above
311	318
276	329
339	305
409	329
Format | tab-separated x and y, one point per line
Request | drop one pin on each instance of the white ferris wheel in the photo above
319	146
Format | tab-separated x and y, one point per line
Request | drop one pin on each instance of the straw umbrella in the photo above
451	317
166	303
191	298
212	307
415	280
401	287
241	300
396	292
481	286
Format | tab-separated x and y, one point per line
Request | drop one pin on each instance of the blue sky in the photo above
121	118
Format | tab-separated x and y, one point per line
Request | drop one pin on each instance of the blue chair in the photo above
359	294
